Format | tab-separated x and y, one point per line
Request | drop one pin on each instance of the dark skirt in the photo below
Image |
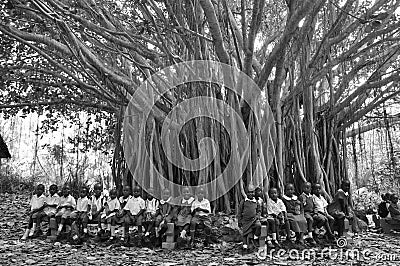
298	223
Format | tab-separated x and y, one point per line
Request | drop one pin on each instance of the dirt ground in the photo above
366	249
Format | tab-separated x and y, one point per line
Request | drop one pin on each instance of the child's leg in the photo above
113	223
61	225
34	223
287	228
257	229
150	226
139	223
193	224
84	220
310	224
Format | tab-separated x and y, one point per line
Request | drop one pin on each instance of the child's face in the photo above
113	194
250	195
307	188
136	192
346	187
395	200
150	195
289	190
83	193
52	190
258	193
39	191
166	194
317	190
200	195
126	191
273	194
97	190
66	191
186	193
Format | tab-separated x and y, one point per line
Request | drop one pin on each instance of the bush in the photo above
13	183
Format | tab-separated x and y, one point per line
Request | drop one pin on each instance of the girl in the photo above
295	216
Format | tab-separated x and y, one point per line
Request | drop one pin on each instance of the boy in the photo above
37	205
65	207
80	215
97	203
201	210
151	210
321	216
394	208
164	213
112	206
340	207
133	213
273	215
308	206
51	203
383	207
249	212
258	195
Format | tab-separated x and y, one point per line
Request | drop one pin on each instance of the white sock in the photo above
33	229
112	229
273	236
103	226
255	237
147	234
310	234
60	227
108	227
85	230
244	246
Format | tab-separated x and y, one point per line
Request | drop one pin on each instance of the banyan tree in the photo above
320	66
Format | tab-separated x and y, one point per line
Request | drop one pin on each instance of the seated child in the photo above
248	216
151	210
65	207
182	211
340	207
201	210
258	195
321	215
273	215
80	214
394	208
112	206
308	207
295	216
50	207
37	205
133	213
97	204
383	207
164	213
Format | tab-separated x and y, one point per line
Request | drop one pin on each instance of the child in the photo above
151	210
50	208
274	213
394	208
295	216
321	216
164	213
112	206
97	203
308	207
249	212
383	207
66	206
258	195
183	211
201	210
340	207
133	213
80	215
37	205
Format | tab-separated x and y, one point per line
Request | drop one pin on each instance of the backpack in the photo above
383	210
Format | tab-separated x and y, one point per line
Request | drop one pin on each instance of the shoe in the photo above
270	245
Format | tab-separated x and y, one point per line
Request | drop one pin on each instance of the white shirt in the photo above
97	203
152	206
113	204
37	202
82	204
275	207
67	201
320	203
204	204
135	205
51	200
123	200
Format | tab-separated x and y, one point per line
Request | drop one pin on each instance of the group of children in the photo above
301	214
389	208
151	214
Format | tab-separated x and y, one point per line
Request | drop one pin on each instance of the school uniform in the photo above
81	212
134	206
183	211
67	205
248	216
51	200
201	217
298	222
